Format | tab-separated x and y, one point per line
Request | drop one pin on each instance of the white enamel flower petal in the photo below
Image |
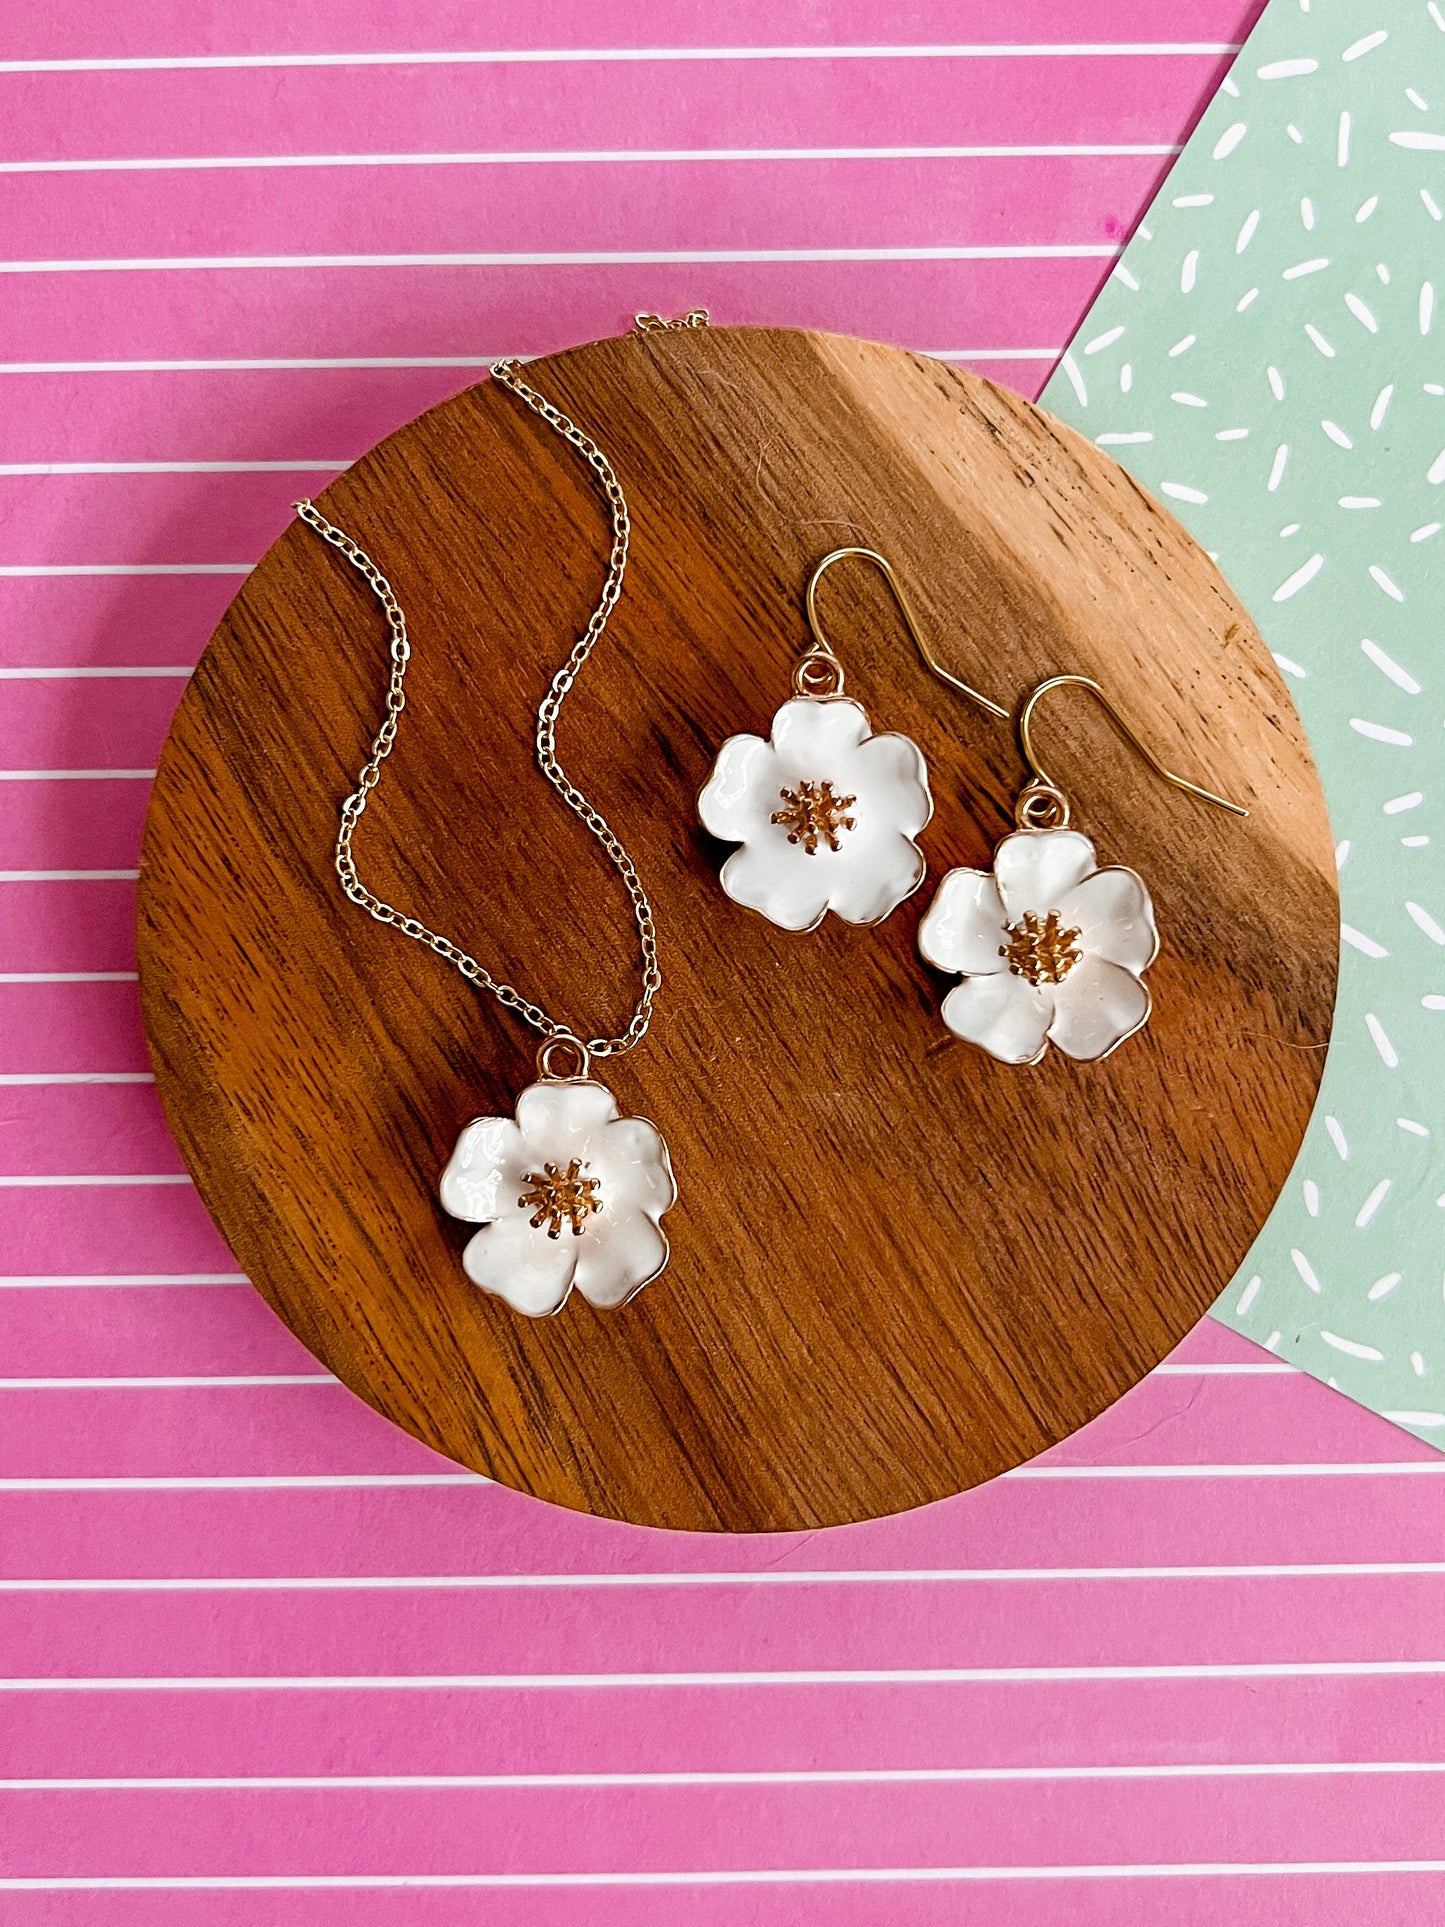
481	1174
964	927
1034	868
894	777
621	1161
814	741
560	1120
611	1267
780	880
633	1170
1004	1014
1097	1006
514	1260
873	874
1114	918
862	862
742	791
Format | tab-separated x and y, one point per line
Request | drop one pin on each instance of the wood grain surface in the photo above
898	1267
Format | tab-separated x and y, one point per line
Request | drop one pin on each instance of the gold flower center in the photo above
815	815
557	1197
1041	952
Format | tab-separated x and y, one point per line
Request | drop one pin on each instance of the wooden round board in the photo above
898	1267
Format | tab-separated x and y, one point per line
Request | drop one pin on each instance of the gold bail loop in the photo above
819	674
1039	806
824	648
1042	787
562	1040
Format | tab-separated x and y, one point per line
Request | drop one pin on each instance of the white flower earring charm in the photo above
1050	947
824	812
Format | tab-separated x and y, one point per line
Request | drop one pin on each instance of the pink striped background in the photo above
1187	1667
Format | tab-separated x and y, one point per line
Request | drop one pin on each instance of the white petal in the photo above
481	1175
631	1165
561	1120
780	879
1114	917
1005	1014
964	927
815	740
892	782
1097	1006
618	1256
512	1260
871	877
742	791
1035	867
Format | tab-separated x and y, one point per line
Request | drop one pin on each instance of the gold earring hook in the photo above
1042	804
822	654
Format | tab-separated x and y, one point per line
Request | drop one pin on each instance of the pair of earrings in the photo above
1048	946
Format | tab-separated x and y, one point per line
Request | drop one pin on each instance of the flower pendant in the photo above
568	1192
1050	948
824	812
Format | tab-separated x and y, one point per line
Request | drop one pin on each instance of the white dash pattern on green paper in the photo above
1269	358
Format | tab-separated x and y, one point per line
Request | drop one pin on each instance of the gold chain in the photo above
656	324
352	809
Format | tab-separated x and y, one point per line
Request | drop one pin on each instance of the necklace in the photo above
567	1191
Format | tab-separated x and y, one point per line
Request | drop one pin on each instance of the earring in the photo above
1050	947
824	812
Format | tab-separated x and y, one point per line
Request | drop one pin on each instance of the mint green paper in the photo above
1269	357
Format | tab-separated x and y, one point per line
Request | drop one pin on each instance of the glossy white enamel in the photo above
876	862
1100	999
616	1250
